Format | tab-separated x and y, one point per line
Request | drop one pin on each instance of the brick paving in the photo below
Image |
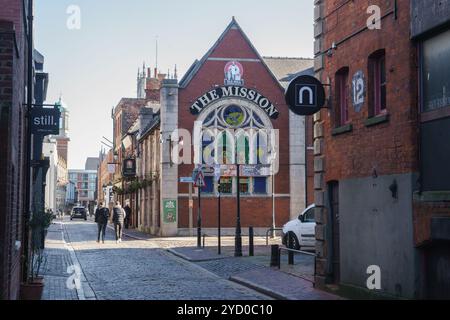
228	267
281	285
145	268
55	268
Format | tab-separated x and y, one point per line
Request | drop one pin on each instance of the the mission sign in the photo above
235	92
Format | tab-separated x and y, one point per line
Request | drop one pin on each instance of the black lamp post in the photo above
238	237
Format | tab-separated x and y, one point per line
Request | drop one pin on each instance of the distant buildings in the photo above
86	185
50	152
105	178
92	164
71	195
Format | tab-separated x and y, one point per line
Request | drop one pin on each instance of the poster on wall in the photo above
170	211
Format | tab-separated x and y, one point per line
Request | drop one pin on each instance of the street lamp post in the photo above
238	237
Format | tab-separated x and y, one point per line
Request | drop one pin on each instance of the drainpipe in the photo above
26	203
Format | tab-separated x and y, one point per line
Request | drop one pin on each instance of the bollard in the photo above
204	241
274	256
290	253
251	244
291	258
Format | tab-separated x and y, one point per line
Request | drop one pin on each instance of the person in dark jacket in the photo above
128	215
101	217
118	219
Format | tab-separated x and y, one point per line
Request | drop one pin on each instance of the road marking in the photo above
76	263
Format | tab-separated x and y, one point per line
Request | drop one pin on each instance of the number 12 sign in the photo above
358	90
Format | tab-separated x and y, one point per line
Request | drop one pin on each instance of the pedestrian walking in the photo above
128	216
102	215
118	219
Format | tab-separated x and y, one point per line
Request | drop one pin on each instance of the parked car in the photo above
301	231
78	212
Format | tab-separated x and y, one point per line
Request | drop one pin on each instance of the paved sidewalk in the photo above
281	285
55	270
60	256
251	273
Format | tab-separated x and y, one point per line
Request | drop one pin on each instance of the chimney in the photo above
156	73
149	73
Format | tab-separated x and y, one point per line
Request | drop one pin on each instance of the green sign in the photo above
170	211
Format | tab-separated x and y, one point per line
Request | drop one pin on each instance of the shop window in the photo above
209	187
244	185
377	83
436	72
260	185
226	185
342	96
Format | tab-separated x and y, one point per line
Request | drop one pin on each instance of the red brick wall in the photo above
12	125
390	148
256	76
255	212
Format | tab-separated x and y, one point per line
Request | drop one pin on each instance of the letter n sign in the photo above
305	95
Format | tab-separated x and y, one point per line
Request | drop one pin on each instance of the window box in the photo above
341	130
376	120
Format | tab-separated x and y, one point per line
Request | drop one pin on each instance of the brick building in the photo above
373	164
231	88
14	50
127	117
105	178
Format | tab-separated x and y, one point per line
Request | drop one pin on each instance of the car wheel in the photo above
292	241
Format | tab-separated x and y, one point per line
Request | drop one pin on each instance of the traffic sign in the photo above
199	181
186	180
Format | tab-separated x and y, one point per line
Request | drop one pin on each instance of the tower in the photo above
62	139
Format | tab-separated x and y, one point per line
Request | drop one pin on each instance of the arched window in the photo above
236	130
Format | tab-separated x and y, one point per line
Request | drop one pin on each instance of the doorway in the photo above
335	231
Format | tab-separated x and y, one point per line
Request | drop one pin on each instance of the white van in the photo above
301	232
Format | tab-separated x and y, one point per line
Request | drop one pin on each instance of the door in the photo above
335	247
437	271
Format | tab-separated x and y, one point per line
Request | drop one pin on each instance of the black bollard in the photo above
251	249
291	258
274	256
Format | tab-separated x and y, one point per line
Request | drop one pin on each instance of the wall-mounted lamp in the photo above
333	48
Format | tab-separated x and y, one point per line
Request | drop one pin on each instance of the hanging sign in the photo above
45	121
305	95
129	168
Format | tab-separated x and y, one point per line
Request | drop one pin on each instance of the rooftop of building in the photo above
284	69
287	68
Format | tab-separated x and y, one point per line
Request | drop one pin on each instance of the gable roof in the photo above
193	70
286	69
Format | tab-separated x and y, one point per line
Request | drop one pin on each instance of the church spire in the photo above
175	76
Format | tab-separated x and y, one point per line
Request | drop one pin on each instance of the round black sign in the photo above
305	95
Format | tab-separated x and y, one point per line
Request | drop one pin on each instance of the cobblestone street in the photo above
132	270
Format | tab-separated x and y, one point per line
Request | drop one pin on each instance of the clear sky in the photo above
95	66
